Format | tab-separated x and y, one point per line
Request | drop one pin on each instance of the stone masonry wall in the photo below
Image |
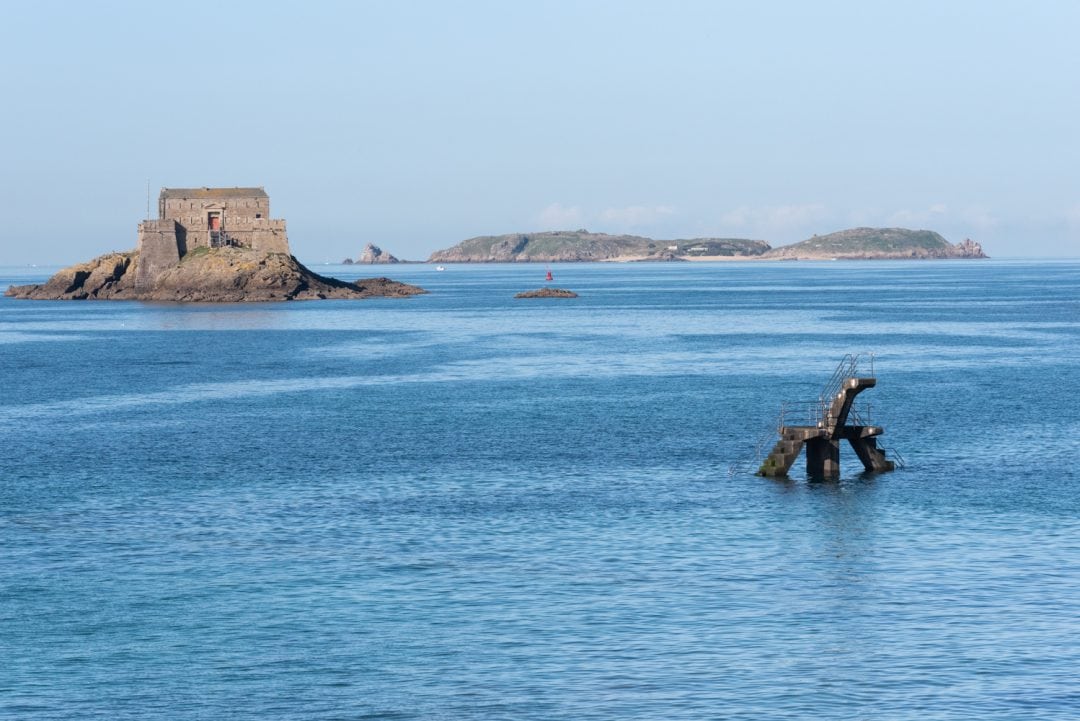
239	222
192	212
269	236
158	250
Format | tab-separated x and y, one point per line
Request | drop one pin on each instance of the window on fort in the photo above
258	215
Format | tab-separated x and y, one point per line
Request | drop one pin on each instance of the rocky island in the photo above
547	293
206	275
581	245
214	245
877	243
374	255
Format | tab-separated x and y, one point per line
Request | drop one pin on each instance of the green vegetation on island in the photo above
581	245
877	243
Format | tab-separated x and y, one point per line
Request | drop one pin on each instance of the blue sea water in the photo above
465	506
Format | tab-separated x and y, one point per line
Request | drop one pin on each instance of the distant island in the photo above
877	244
213	245
583	246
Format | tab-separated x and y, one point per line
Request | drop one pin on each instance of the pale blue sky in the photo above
414	125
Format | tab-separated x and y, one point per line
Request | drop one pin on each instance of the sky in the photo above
415	125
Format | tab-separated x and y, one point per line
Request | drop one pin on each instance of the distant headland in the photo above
877	243
215	245
583	246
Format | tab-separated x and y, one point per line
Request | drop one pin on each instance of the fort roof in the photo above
167	193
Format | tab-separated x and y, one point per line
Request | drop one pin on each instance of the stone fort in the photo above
191	218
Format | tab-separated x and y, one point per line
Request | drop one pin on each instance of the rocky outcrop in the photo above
583	246
968	248
220	275
547	293
876	243
109	276
373	254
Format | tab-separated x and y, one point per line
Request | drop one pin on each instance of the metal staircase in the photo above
219	239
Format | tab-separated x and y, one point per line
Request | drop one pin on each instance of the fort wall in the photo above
258	234
158	250
191	218
192	211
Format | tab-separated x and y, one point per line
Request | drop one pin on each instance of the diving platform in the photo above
831	419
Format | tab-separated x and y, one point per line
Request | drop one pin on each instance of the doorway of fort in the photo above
214	221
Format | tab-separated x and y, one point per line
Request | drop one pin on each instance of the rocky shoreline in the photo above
219	275
878	244
582	246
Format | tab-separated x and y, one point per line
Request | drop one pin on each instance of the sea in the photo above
466	506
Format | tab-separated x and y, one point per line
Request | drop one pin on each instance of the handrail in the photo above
846	368
856	418
817	413
810	413
896	457
758	457
219	238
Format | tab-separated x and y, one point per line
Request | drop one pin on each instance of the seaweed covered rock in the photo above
547	293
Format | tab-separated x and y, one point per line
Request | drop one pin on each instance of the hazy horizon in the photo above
416	126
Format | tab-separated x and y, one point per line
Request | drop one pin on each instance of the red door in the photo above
215	221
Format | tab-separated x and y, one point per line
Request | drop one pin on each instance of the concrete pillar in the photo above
823	458
872	458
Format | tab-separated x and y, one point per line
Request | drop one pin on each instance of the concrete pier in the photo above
822	439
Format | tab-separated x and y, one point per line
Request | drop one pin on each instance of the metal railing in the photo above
815	413
859	418
847	368
894	456
761	448
219	239
803	413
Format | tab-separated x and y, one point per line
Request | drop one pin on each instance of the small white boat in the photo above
439	267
